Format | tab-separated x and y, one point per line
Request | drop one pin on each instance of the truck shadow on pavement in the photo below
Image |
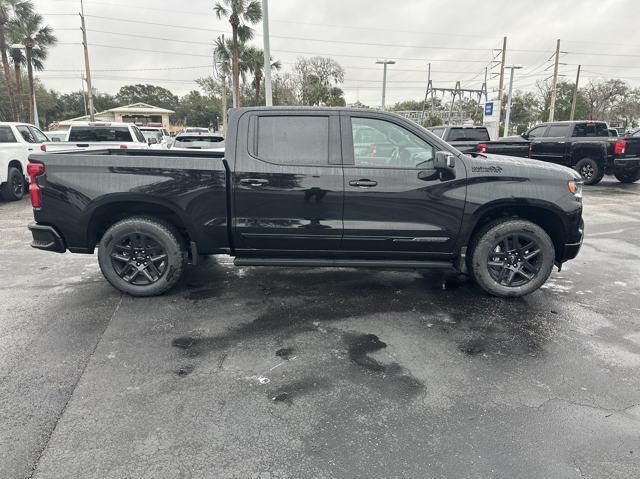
293	302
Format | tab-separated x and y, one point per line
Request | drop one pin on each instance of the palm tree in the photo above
255	64
35	37
20	60
19	8
239	13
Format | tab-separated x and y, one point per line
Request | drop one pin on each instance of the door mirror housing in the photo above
152	141
444	161
525	135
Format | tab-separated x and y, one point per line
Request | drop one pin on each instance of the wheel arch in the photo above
542	213
109	211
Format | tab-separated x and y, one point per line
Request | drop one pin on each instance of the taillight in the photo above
123	147
620	147
34	170
482	148
530	150
43	148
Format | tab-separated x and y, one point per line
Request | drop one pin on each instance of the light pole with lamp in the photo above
384	62
508	112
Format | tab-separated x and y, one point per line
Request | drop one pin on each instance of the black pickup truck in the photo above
294	188
585	146
464	138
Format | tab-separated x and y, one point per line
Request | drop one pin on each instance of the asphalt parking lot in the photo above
323	373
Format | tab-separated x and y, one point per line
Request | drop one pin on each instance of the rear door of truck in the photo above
287	183
554	147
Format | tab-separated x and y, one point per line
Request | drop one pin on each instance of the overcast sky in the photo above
458	37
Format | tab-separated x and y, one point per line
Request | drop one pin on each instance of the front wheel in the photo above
141	256
590	171
14	187
628	176
511	258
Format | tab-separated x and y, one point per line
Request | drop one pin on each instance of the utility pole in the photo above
84	96
575	95
426	95
86	64
501	85
384	62
267	53
554	84
507	116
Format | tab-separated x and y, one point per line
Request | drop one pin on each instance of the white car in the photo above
157	137
100	134
17	142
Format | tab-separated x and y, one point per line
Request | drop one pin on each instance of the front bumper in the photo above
622	164
571	249
46	238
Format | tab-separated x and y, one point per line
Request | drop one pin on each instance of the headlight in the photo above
575	187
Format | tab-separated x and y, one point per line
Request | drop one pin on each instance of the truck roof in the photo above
99	124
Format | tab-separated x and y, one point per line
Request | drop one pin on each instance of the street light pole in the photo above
508	112
384	62
267	53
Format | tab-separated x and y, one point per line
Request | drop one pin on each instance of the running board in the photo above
344	263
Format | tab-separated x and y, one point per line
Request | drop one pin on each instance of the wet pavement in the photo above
323	373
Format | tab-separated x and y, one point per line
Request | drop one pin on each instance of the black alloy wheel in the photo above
515	260
587	171
139	259
17	185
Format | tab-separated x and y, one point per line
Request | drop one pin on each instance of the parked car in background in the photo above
161	135
583	145
291	189
613	132
464	138
196	129
17	142
98	134
198	141
57	135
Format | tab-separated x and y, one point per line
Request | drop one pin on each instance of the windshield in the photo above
152	134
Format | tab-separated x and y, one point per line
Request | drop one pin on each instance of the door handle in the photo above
30	149
363	183
254	181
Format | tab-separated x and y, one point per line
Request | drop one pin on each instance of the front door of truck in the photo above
288	183
396	204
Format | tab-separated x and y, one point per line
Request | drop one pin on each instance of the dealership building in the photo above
140	114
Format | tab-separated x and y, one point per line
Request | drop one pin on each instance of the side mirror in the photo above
444	161
152	141
524	135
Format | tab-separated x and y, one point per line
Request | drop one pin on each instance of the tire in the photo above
590	171
126	256
506	245
628	176
13	189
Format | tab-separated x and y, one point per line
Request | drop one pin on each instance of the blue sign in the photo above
488	108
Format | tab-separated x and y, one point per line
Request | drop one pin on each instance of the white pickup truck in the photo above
102	135
17	142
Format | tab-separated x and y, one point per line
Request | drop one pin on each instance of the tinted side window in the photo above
99	133
26	134
537	132
6	135
468	134
558	131
602	129
394	146
293	140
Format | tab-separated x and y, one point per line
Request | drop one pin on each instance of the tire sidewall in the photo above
598	171
8	192
628	176
160	233
487	242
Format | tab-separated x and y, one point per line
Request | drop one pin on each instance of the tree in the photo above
33	35
564	98
240	13
19	8
151	94
317	80
196	109
255	64
603	97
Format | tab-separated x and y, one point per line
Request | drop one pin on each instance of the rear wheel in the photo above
13	189
628	176
142	256
511	258
590	171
